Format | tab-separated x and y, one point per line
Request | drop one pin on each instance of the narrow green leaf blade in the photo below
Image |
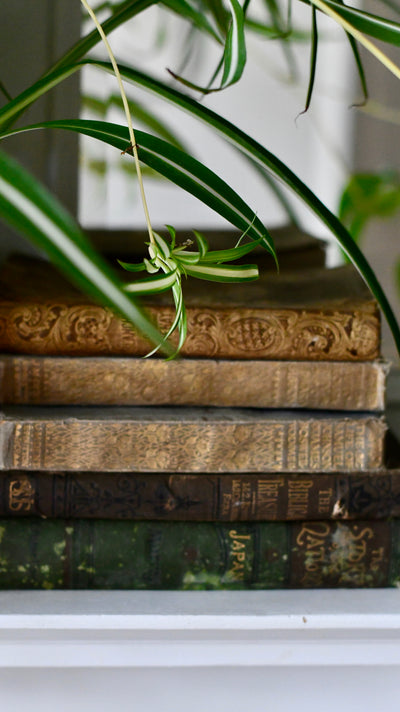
235	46
234	253
162	245
196	17
132	266
201	243
28	206
177	166
153	285
372	25
221	273
313	57
14	108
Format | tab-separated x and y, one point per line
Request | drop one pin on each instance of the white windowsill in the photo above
196	629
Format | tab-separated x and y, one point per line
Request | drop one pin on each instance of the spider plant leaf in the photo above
313	58
234	57
162	245
218	12
202	244
172	234
235	46
150	267
153	285
197	18
186	258
360	69
181	314
179	322
132	266
177	166
32	210
222	273
15	107
234	253
372	25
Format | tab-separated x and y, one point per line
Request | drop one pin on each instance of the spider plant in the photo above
25	204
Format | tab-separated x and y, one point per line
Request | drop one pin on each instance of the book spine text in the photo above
102	554
200	497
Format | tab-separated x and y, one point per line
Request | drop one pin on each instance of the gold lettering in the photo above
298	494
226	503
246	491
320	529
21	495
234	535
367	532
324	500
237	570
238	554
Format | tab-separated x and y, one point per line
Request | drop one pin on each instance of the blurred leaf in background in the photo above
368	196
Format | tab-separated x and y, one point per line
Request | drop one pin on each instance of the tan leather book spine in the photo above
188	440
350	333
310	315
50	380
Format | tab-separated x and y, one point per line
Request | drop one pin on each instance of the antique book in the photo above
188	440
104	554
319	385
326	314
202	496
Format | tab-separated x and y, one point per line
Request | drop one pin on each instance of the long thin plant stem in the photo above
127	114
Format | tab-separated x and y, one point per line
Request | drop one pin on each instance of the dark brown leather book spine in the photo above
201	497
185	440
51	380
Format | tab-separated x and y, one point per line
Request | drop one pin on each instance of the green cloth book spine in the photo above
104	554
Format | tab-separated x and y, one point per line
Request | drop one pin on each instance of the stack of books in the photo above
257	460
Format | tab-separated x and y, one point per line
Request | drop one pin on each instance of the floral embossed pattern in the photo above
221	333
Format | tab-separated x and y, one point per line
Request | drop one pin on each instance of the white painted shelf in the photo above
197	629
98	651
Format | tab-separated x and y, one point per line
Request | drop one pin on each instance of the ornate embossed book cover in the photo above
185	440
319	385
304	315
104	554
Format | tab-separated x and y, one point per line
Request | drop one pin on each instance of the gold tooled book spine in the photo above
350	333
189	440
335	385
